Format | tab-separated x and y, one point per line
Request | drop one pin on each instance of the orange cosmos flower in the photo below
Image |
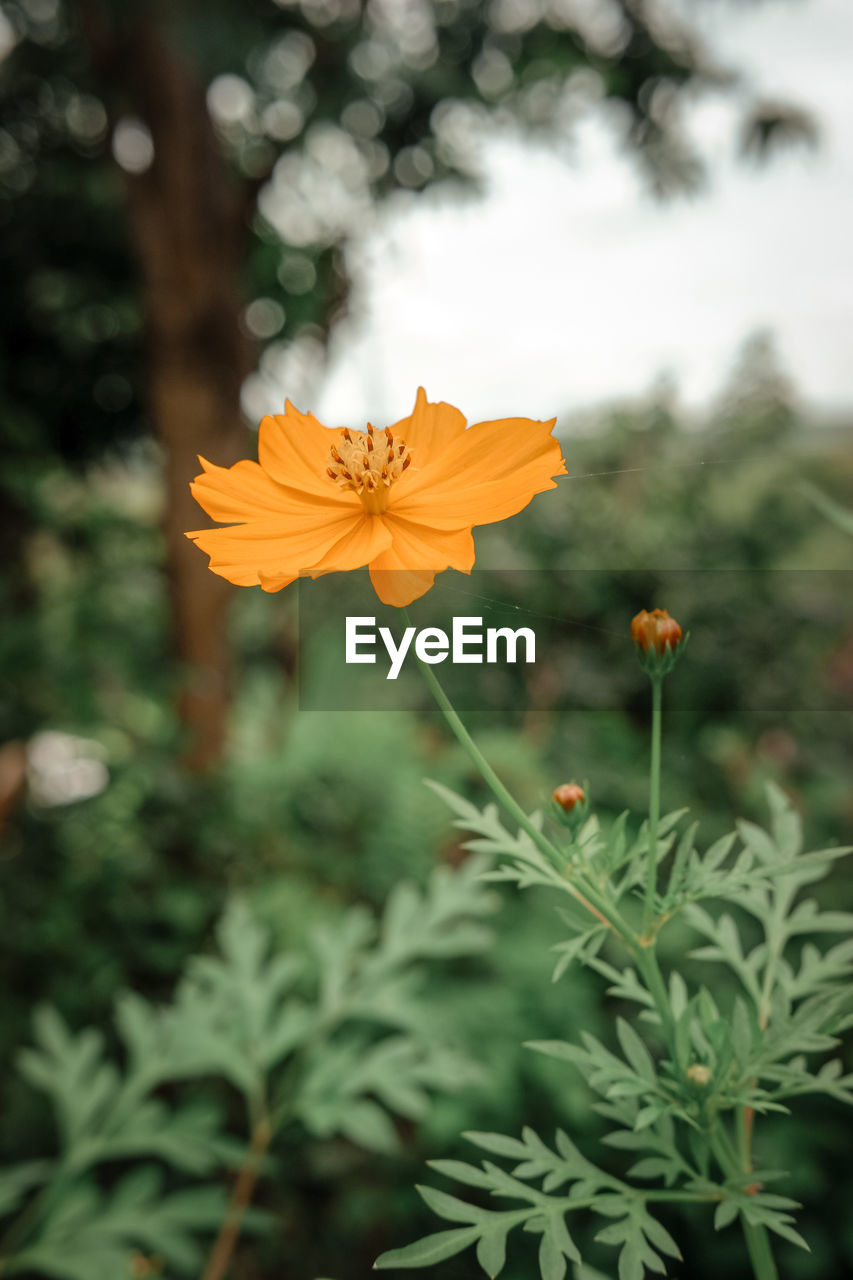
402	500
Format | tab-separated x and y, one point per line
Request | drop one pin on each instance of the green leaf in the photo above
428	1251
554	1049
718	852
71	1068
636	1231
461	1172
290	1029
725	1213
450	1208
808	918
784	822
458	804
491	1250
498	1143
741	1032
787	1232
576	948
636	1052
678	997
757	839
367	1125
18	1179
90	1235
96	1261
652	1167
552	1260
659	1236
557	1234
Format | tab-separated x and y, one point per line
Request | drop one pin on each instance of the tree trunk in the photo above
188	221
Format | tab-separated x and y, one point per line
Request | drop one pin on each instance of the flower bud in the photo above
658	639
568	795
569	805
699	1074
655	630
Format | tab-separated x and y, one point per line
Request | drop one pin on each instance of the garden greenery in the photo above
336	1042
136	871
689	1075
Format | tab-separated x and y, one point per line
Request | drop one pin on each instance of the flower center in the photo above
369	462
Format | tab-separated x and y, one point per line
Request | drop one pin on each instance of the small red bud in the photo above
655	630
568	795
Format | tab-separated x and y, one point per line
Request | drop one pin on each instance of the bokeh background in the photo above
632	215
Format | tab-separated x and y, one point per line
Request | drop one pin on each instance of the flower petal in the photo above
275	545
363	540
408	568
495	450
401	586
293	448
492	472
366	538
245	492
430	429
271	582
418	546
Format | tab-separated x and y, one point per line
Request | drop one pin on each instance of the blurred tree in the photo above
758	404
250	138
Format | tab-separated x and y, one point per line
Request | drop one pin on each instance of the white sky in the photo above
569	285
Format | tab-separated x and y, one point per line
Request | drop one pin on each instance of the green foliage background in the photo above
310	813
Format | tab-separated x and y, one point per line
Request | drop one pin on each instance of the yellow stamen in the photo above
355	463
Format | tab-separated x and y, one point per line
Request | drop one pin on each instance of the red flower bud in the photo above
655	630
659	641
568	795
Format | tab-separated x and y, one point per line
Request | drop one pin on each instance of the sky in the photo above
568	285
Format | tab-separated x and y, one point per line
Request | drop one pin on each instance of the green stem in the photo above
590	897
654	805
743	1142
734	1160
647	963
682	1197
756	1237
723	1149
760	1253
500	792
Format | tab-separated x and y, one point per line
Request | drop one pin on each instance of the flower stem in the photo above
590	898
654	805
489	776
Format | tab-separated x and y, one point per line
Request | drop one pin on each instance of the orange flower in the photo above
402	500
